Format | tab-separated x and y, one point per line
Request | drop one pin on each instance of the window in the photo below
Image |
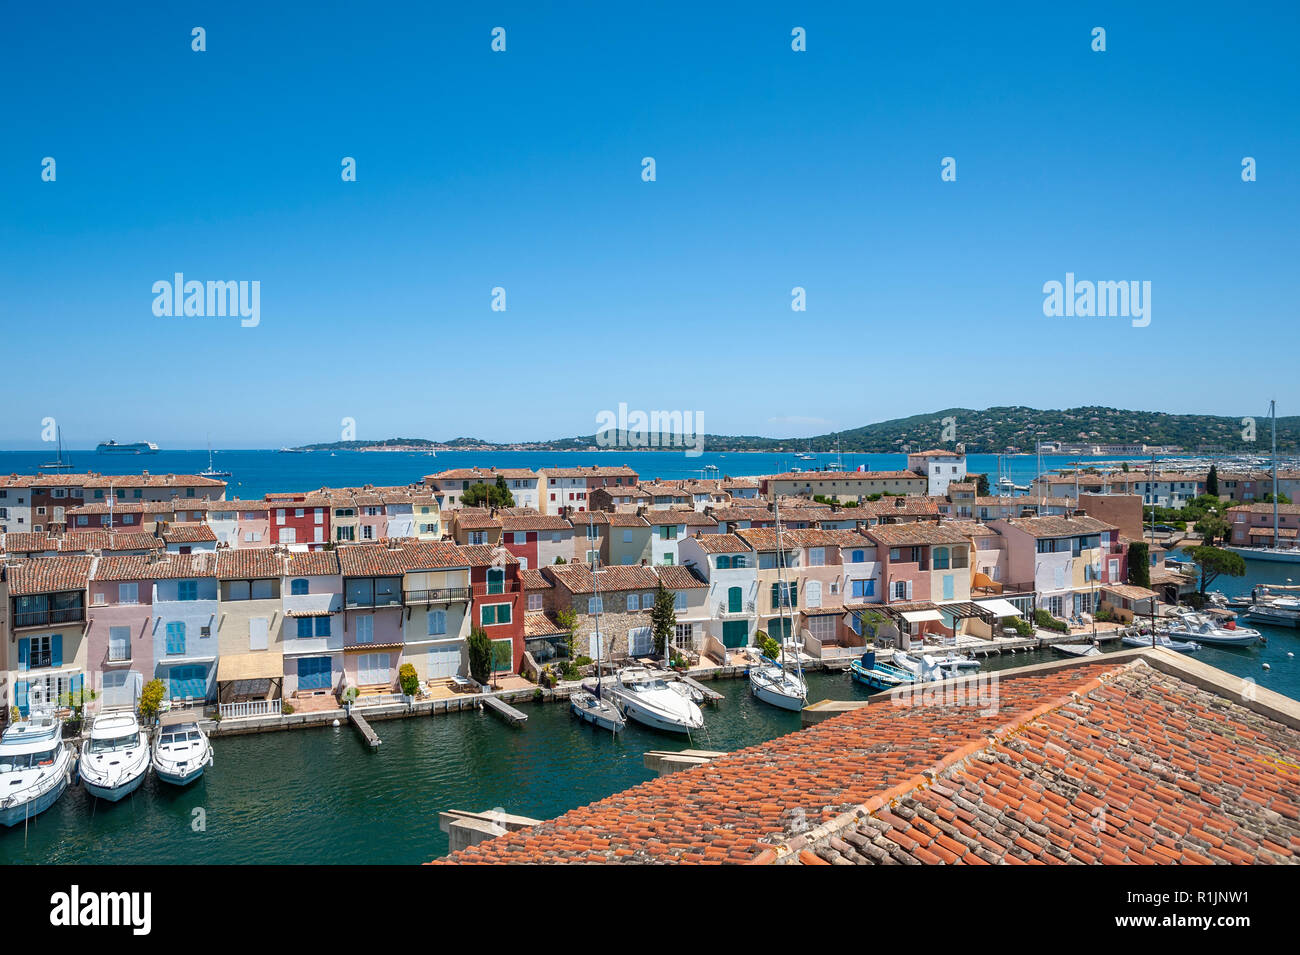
493	614
288	535
940	558
786	595
684	635
627	537
633	602
595	605
864	588
534	603
895	553
298	587
858	556
373	668
365	629
128	593
901	589
176	637
322	626
187	590
304	627
640	641
679	600
667	560
668	532
816	556
723	562
437	623
119	644
520	537
813	593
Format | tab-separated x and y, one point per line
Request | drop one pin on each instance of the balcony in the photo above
725	613
119	654
48	618
444	595
495	590
371	603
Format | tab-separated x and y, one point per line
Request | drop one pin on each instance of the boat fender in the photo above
1267	667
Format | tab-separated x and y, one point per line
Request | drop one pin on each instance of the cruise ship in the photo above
139	447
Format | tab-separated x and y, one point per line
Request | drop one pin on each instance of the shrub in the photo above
480	655
1048	622
286	708
150	699
768	646
1104	615
408	678
1023	627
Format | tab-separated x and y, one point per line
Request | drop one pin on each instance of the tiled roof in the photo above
250	563
108	541
534	579
535	522
722	544
935	453
156	567
45	575
311	563
1143	768
810	477
1094	762
188	534
487	555
473	518
537	624
677	577
678	516
577	578
764	538
1059	526
621	520
129	507
485	475
434	555
145	479
392	558
916	534
26	542
1291	510
594	470
738	512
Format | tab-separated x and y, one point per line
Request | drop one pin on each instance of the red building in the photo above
299	520
497	595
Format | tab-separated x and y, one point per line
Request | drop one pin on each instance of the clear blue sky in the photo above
522	170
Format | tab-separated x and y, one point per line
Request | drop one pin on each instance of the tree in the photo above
150	699
408	678
1214	561
663	618
1268	499
569	621
1212	527
480	655
1139	564
1212	481
981	485
1124	465
492	495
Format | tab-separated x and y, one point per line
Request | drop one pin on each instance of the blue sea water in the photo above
255	472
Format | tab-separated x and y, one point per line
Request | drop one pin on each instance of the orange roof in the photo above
1110	761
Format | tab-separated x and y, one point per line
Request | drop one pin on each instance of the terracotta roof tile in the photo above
45	575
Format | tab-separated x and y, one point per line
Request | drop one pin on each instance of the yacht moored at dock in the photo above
180	753
645	696
36	766
878	676
115	759
592	709
1199	627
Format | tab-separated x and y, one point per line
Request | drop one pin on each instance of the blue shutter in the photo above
20	694
24	647
56	650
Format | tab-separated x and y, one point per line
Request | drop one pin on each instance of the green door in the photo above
735	633
733	600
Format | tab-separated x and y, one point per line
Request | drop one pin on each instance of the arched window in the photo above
724	562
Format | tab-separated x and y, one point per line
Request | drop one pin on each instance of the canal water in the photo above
322	796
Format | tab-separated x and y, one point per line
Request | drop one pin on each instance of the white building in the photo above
940	468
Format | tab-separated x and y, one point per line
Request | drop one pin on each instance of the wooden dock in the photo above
507	712
710	696
360	723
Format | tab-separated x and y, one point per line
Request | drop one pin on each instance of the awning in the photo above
999	608
250	666
1129	591
921	616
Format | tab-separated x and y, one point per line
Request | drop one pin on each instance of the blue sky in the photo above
522	170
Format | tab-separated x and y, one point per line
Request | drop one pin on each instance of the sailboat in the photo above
1276	551
590	703
58	464
212	472
774	683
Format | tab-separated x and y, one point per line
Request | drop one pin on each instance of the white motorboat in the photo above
686	690
1078	649
646	697
778	686
950	663
1198	627
115	759
592	709
1161	640
180	753
36	766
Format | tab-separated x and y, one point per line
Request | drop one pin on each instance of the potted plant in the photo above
409	680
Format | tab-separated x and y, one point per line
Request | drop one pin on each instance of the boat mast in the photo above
600	637
1272	413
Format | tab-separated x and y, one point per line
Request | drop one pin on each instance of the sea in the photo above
255	472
